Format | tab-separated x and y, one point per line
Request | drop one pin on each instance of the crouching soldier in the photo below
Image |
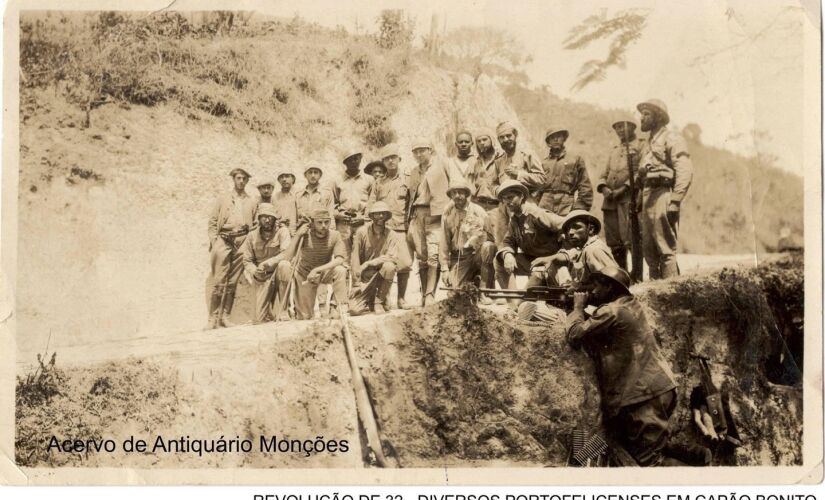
263	265
466	248
374	258
320	259
638	391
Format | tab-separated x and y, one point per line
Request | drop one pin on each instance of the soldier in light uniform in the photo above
266	186
351	193
667	172
566	183
614	185
263	268
466	249
464	160
231	218
312	198
284	202
373	262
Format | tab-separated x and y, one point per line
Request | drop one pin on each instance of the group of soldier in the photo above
481	217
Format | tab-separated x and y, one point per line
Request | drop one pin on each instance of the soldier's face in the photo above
484	144
459	197
352	165
312	176
286	182
556	141
240	181
379	173
463	144
577	233
508	140
321	227
623	132
513	201
391	162
380	219
423	155
648	120
600	294
267	222
266	191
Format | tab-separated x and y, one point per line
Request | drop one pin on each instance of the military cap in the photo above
320	214
615	274
350	154
624	123
459	184
285	174
581	214
266	180
389	150
267	209
373	165
313	167
556	130
421	143
511	185
657	107
505	127
378	207
236	171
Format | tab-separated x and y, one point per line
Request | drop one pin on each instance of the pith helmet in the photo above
616	274
267	209
389	150
266	180
286	174
351	154
459	184
624	123
512	185
581	214
556	130
373	165
313	167
378	207
657	107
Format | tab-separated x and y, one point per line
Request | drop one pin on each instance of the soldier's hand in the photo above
542	262
704	422
314	277
607	193
510	263
445	279
302	230
580	300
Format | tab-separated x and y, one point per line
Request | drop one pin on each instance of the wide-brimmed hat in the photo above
388	150
615	274
511	185
581	214
657	107
556	130
351	154
373	165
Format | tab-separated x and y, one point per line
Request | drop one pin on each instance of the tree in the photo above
487	50
394	29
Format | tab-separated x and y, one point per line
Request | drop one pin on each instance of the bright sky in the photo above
755	86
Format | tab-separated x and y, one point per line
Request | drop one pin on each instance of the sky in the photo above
747	98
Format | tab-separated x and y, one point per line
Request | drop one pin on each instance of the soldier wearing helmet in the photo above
637	386
373	262
666	172
263	267
566	184
466	248
351	193
286	206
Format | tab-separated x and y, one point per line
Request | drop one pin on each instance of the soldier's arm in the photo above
248	256
579	328
602	180
444	240
355	254
212	227
531	174
479	233
682	167
390	251
284	240
584	196
598	257
546	218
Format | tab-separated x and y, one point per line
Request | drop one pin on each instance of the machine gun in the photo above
558	296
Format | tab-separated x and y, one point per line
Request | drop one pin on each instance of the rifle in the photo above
558	296
635	230
716	402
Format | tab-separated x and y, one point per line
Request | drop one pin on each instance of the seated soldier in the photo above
570	267
321	253
466	248
373	262
532	230
263	268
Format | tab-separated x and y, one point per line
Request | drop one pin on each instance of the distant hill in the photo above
736	204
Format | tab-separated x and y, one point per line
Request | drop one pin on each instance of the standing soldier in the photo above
566	183
351	193
614	185
264	270
320	260
484	178
284	202
464	160
229	222
392	190
466	249
373	262
266	185
667	171
428	184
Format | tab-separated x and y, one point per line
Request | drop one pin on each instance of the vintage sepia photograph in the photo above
345	237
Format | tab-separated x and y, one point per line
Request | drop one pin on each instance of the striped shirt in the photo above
317	251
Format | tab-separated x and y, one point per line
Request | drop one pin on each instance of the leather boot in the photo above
423	276
381	295
432	285
403	279
228	301
620	256
214	307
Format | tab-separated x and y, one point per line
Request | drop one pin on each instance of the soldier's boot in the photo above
488	280
214	309
282	299
690	454
432	285
228	302
423	278
620	256
381	302
403	279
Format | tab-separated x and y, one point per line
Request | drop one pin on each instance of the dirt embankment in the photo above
452	384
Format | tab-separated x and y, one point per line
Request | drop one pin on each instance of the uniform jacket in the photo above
351	193
286	207
629	365
366	245
222	209
522	166
464	166
393	192
616	173
484	179
593	256
535	231
566	184
462	228
256	250
665	158
430	187
320	199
